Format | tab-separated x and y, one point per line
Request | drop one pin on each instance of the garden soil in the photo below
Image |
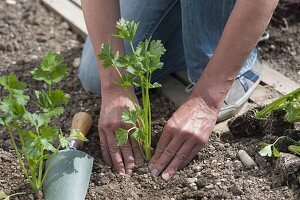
28	31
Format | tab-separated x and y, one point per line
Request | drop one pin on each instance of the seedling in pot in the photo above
33	135
139	66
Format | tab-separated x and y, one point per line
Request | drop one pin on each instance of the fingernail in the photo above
150	166
165	176
154	172
129	171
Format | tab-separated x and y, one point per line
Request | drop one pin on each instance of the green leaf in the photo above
46	145
58	98
52	70
138	135
266	151
33	148
77	135
129	116
49	133
106	56
12	82
5	119
121	136
3	195
55	112
43	100
18	110
293	112
127	29
5	105
37	119
20	98
263	144
156	48
154	85
294	149
64	142
276	153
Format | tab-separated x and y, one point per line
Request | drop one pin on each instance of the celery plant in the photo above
139	66
34	130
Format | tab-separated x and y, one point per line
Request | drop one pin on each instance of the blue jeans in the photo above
189	30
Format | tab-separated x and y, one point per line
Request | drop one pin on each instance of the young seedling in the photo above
139	66
4	196
34	130
291	104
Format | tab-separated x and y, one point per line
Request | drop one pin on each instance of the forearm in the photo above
245	26
100	17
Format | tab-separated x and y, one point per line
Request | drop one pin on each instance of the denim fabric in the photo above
189	30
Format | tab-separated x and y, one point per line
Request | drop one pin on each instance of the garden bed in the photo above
28	31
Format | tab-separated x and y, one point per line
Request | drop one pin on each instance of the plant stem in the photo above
15	194
276	104
18	153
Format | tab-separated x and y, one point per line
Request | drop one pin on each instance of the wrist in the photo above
212	89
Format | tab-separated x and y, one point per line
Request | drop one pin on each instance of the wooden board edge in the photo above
71	13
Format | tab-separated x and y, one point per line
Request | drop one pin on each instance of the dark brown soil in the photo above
248	125
28	31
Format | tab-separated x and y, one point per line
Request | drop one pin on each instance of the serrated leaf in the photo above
12	82
77	135
42	99
138	135
266	151
276	153
64	142
37	119
129	116
55	112
294	149
51	60
156	48
121	136
58	98
46	145
106	56
127	29
33	147
20	98
5	105
18	110
49	133
52	70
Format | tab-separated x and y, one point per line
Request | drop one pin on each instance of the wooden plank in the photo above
277	80
174	91
77	2
70	12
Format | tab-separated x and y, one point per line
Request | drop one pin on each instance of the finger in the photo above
138	157
104	147
127	157
178	160
191	155
163	142
115	153
166	156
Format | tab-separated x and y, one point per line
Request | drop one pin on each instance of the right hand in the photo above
122	158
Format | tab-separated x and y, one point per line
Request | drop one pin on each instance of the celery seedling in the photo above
139	65
291	104
34	131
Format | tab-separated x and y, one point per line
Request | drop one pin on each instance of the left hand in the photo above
183	136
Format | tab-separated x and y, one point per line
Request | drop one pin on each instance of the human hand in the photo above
122	158
183	136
